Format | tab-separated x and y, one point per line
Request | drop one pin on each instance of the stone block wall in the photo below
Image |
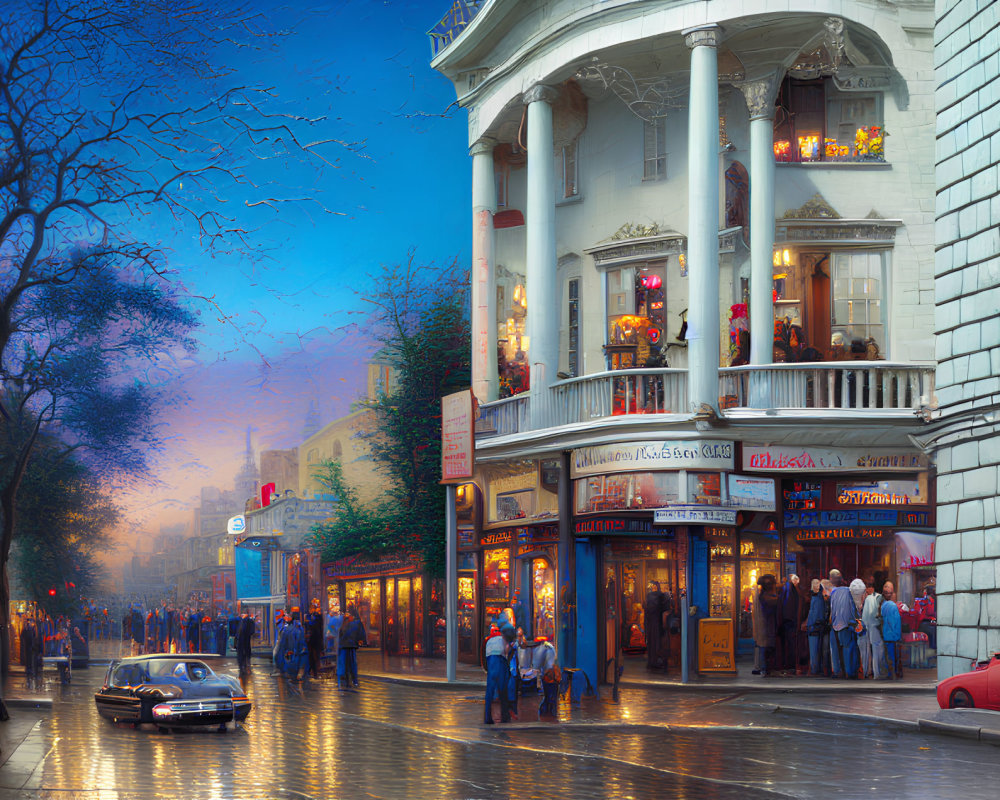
967	321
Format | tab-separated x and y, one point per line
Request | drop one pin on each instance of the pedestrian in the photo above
221	634
352	636
843	644
293	649
892	631
817	625
653	623
789	607
871	617
30	646
314	637
497	672
858	589
193	631
138	630
244	640
926	608
334	622
765	610
548	667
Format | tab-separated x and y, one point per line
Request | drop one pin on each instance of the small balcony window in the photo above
814	122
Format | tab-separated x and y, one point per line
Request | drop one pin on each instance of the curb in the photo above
38	704
889	722
951	729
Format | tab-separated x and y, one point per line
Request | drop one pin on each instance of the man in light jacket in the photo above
871	616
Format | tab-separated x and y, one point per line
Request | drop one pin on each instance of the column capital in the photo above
759	96
702	36
540	91
483	146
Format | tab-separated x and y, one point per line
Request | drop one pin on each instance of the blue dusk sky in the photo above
283	325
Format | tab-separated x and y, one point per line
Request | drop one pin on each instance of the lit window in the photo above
636	298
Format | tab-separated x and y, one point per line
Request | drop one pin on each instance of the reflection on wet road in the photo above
401	741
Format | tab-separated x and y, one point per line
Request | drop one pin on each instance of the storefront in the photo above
853	509
642	516
390	598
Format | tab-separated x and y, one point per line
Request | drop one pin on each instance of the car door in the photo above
117	699
993	683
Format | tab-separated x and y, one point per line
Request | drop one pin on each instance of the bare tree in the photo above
122	124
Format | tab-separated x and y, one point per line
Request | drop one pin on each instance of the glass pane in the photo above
496	574
543	599
403	621
366	597
418	615
841	314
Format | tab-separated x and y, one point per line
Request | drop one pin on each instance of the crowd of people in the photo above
837	629
514	667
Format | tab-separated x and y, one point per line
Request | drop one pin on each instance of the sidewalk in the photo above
910	703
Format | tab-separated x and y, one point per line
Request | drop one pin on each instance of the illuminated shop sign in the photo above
883	493
860	535
600	526
651	455
694	515
785	458
500	537
832	519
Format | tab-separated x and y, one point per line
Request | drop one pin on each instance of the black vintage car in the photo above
170	691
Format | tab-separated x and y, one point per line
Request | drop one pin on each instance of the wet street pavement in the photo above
391	740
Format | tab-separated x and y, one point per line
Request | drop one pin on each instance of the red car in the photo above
977	689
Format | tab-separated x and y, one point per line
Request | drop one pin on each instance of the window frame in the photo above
654	148
569	179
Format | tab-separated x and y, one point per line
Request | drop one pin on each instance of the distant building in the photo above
280	467
344	440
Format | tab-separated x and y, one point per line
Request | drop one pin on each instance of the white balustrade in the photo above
857	385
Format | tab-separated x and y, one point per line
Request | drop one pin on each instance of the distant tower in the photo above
312	423
248	477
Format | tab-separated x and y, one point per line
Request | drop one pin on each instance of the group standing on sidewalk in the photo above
853	630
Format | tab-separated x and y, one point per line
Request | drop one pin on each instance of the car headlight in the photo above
162	710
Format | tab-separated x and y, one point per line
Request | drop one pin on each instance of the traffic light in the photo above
52	592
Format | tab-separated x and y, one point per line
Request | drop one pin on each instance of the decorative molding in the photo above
652	247
541	92
645	97
702	37
873	232
634	230
814	208
483	147
759	96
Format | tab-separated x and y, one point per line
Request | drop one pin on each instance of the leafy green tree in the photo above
354	527
82	375
421	314
65	521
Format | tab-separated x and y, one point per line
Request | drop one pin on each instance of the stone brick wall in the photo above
967	320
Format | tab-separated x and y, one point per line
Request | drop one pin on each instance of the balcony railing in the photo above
852	385
843	385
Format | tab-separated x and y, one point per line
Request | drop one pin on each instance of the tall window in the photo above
568	177
654	149
501	176
635	306
574	328
857	298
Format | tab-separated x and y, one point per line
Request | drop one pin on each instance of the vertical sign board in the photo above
715	645
457	423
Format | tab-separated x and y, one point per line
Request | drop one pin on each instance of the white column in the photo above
540	255
760	103
485	383
703	219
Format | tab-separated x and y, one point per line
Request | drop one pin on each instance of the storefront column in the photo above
703	219
565	571
540	252
760	103
485	381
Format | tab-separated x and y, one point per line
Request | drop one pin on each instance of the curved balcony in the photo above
856	386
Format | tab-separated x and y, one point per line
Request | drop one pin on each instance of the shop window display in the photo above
366	597
705	488
496	574
626	491
760	554
543	599
513	342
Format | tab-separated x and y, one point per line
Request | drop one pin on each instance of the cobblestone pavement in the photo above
390	740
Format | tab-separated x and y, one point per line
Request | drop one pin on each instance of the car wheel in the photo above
960	699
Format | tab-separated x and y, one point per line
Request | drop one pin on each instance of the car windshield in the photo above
129	675
162	668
